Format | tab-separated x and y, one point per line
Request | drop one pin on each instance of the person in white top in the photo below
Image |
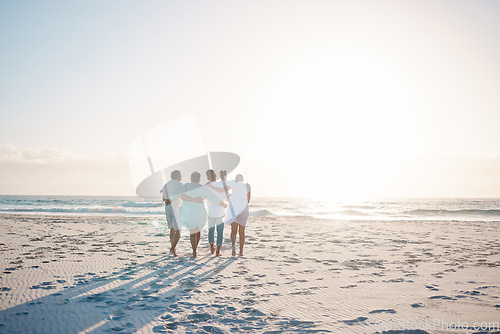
172	208
216	213
238	211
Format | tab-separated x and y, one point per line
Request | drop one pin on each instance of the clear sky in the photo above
332	99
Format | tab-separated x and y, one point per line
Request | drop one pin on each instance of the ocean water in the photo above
394	209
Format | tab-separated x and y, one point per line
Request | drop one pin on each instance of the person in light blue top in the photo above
172	209
192	213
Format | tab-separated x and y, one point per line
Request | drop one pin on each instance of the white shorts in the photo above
242	217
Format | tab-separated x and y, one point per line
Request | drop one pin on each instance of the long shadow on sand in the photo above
96	300
150	297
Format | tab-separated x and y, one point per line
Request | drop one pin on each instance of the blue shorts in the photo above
171	218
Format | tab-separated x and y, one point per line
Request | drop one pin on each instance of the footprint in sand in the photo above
473	293
163	328
199	317
296	323
212	329
383	311
250	293
117	315
122	328
98	297
442	297
45	286
358	320
432	287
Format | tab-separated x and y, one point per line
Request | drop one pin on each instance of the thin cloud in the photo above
10	153
53	171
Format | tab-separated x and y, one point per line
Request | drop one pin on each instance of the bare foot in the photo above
172	252
241	253
212	248
194	254
217	253
234	251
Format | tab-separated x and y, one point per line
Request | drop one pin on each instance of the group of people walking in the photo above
226	201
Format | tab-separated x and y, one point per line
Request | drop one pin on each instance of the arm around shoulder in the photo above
221	190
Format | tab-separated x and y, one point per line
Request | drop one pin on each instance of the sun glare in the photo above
346	124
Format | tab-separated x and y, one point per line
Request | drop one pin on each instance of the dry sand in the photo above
69	274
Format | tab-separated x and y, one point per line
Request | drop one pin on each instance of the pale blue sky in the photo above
293	84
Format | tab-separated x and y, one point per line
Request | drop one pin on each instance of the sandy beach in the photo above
71	274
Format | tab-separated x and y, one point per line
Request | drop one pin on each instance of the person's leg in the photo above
175	240
220	236
242	238
172	235
234	230
175	231
211	232
211	237
172	226
172	231
193	237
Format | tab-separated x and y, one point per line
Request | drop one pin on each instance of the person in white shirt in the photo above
215	213
172	208
238	211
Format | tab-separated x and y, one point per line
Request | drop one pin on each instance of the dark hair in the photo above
175	174
223	174
195	177
211	175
